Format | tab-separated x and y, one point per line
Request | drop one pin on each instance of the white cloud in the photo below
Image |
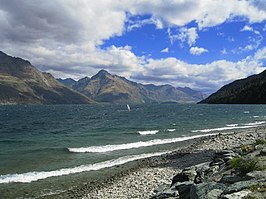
134	24
247	28
206	77
253	43
166	50
188	35
64	36
197	51
192	36
260	55
224	51
206	13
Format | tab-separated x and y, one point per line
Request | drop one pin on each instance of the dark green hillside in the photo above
251	90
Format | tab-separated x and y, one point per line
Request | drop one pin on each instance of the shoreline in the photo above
140	178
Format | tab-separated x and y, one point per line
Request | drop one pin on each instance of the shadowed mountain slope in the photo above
251	90
22	83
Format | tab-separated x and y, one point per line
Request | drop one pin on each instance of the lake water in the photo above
46	149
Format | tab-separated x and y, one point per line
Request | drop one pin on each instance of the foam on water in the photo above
108	148
255	123
34	176
171	130
148	132
231	127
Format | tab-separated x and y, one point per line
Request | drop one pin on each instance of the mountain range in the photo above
22	83
251	90
107	88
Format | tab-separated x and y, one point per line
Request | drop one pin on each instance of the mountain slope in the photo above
67	82
251	90
22	83
104	87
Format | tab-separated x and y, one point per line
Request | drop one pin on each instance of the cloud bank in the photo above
64	37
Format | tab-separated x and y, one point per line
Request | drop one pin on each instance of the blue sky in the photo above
225	41
201	44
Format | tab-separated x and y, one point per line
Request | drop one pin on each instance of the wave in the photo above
230	127
34	176
171	130
148	132
108	148
255	123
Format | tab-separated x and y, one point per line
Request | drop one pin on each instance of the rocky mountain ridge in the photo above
108	88
22	83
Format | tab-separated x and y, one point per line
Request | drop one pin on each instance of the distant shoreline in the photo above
145	175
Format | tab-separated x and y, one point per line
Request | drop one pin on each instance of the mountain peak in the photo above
103	72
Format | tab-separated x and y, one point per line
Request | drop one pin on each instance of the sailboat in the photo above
128	108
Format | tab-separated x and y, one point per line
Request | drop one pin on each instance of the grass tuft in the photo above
260	141
244	165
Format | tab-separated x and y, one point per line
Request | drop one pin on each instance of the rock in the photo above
257	174
180	177
170	192
256	195
229	179
218	162
187	174
161	188
263	152
200	191
214	193
184	190
238	186
237	195
222	152
259	146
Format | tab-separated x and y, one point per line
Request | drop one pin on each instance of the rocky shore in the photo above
200	170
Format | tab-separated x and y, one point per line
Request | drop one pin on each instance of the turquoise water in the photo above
41	145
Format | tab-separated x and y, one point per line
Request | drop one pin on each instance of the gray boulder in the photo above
202	190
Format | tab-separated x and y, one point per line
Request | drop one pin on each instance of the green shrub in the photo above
244	165
260	141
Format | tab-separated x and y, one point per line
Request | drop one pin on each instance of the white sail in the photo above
128	108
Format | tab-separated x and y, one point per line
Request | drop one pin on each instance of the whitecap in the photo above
34	176
231	125
255	123
148	132
171	130
108	148
246	126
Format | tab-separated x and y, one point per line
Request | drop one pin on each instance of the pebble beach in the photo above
153	174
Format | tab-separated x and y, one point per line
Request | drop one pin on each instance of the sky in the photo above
201	44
